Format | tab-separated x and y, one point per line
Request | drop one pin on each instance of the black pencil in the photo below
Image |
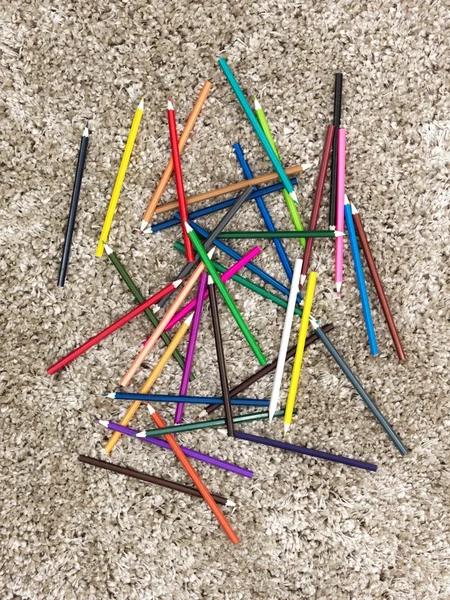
220	356
337	124
73	207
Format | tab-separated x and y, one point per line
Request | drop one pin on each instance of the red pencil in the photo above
179	178
317	200
113	327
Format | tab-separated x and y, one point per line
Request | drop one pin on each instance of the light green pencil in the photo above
225	295
291	205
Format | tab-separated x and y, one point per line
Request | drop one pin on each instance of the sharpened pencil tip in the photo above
339	234
257	104
354	209
201	415
286	429
338	288
306	166
188	321
108	249
104	423
150	408
302	279
141	434
169	104
188	227
293	195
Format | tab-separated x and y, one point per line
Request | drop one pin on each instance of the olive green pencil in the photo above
225	295
271	235
256	416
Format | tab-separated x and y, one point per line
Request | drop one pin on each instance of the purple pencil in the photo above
210	460
191	346
351	462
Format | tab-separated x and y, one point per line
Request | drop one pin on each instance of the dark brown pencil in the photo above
377	283
311	339
220	356
337	124
173	485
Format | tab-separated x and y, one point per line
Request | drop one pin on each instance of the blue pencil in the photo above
202	212
185	399
250	266
360	277
264	212
358	387
257	128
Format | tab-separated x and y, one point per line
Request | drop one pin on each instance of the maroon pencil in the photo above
377	282
317	200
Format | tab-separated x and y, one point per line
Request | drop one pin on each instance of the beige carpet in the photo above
308	529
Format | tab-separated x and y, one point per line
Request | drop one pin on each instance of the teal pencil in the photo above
257	128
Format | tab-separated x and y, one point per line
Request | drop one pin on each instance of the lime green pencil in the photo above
225	295
291	205
296	369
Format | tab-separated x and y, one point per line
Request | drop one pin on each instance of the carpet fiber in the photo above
308	529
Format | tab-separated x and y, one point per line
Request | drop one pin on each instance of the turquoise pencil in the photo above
257	128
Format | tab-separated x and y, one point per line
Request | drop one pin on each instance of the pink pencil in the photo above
340	193
224	277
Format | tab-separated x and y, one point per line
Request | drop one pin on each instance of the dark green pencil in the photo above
256	416
140	298
272	235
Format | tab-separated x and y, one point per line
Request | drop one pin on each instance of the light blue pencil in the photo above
264	212
257	128
360	277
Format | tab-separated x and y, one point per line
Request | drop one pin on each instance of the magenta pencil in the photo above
340	193
224	277
191	346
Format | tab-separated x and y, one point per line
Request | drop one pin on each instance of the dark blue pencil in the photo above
185	399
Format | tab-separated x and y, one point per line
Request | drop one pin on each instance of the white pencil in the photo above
285	338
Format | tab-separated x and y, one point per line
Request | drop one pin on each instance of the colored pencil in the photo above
334	155
351	462
227	274
140	298
151	379
205	458
151	342
120	179
220	356
194	476
202	212
172	485
265	214
377	282
285	339
273	235
178	173
212	236
340	193
229	189
360	277
298	360
358	387
257	128
111	328
186	399
213	423
226	296
249	381
181	144
191	346
317	200
73	206
291	205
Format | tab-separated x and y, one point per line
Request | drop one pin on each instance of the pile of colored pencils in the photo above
167	307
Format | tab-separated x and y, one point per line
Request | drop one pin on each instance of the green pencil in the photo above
140	299
291	205
257	128
256	416
270	235
225	295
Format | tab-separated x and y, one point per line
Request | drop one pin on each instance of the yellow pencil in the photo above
296	369
119	179
150	381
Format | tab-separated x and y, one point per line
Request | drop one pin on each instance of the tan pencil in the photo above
181	144
234	187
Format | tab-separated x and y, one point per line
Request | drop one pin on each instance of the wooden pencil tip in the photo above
257	104
169	104
108	249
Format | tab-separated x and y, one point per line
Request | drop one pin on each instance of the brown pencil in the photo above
238	389
377	283
234	187
220	356
173	485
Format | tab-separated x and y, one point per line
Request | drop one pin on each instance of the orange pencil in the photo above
195	477
179	179
150	343
181	144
